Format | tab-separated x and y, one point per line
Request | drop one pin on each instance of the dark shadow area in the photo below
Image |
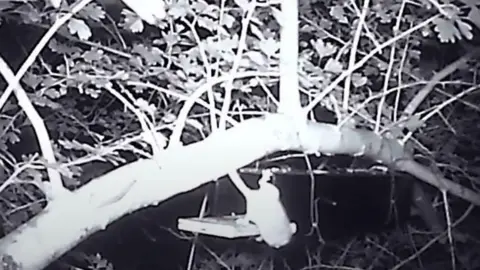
342	204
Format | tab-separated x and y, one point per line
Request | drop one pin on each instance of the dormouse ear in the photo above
293	227
270	190
267	175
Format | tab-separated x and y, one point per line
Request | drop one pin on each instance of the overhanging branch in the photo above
92	206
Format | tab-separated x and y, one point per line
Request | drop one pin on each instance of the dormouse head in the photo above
269	189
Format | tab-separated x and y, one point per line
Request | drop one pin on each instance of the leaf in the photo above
92	55
396	131
413	123
93	92
33	174
55	3
278	15
358	80
29	14
151	56
269	46
465	29
333	66
36	207
382	13
187	64
207	23
452	11
474	16
243	4
12	137
43	101
323	49
228	20
371	71
169	118
101	82
136	26
414	54
171	38
151	11
131	22
61	48
426	32
200	7
77	26
179	9
31	80
387	111
52	93
256	31
82	78
338	13
94	12
446	30
145	106
257	57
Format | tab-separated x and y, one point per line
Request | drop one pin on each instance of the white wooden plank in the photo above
226	226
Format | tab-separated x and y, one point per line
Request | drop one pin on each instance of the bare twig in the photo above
431	242
423	93
386	80
236	64
360	63
353	54
182	116
441	106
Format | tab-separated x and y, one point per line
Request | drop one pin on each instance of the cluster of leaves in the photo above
232	259
94	262
330	21
68	85
416	59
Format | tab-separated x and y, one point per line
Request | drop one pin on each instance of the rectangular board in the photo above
226	226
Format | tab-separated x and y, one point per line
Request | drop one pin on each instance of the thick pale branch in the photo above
70	219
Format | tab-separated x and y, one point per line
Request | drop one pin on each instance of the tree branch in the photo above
13	81
142	183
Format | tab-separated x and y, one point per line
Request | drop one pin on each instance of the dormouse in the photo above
266	211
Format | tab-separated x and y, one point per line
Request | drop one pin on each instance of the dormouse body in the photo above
266	211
